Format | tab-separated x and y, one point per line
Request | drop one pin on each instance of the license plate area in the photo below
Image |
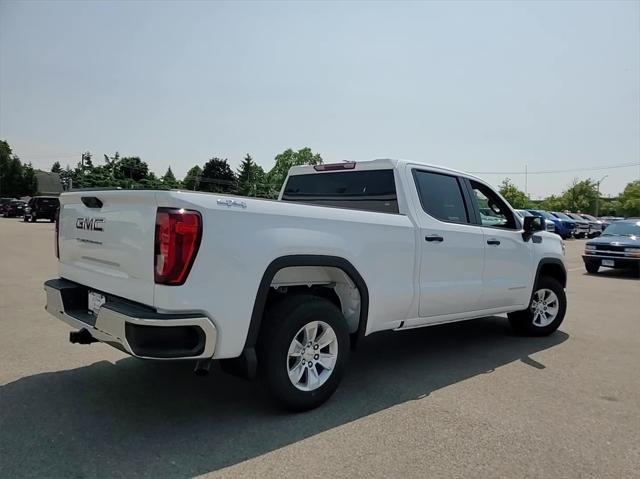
95	302
608	262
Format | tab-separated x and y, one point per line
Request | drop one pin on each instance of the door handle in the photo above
494	242
431	238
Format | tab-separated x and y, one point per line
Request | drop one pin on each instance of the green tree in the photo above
16	179
217	176
111	166
284	162
149	182
581	196
169	180
610	207
251	178
66	178
192	179
56	168
630	199
29	181
87	159
517	198
553	203
82	174
132	168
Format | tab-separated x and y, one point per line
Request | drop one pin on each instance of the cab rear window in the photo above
369	190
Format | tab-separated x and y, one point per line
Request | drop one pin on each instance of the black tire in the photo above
522	322
34	219
282	322
25	219
592	267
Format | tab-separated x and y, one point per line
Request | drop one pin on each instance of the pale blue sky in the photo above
475	86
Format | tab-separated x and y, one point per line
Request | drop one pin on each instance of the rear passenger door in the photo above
451	248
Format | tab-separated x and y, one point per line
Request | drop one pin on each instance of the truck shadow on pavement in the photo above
137	418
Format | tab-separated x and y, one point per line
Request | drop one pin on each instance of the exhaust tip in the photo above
202	367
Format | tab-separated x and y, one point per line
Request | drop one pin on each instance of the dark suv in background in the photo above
13	209
41	207
4	202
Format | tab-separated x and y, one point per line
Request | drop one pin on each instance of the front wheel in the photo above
303	351
545	312
592	267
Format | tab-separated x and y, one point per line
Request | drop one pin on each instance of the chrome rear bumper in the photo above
132	328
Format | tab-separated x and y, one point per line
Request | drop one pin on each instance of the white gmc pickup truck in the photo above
284	289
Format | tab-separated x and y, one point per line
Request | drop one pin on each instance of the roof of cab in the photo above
378	164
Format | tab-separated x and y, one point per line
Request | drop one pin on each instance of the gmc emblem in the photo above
91	224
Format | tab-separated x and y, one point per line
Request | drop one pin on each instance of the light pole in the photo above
598	197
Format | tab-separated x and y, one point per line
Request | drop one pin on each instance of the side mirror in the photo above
531	225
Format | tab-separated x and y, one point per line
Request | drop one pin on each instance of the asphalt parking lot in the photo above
462	400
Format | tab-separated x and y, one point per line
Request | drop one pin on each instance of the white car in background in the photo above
596	226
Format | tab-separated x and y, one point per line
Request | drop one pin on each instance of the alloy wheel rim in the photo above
544	306
312	356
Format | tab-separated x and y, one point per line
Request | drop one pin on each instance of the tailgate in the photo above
106	241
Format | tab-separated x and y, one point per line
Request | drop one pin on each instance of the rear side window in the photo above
369	190
441	196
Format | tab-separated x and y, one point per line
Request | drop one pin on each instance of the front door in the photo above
508	258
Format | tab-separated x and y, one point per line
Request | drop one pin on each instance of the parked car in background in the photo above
564	228
582	226
605	222
41	207
578	231
14	209
610	219
617	247
4	202
595	225
549	225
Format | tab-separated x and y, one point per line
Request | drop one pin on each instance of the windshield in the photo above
562	215
574	216
622	229
544	214
590	218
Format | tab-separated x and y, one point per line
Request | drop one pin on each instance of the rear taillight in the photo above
57	233
178	234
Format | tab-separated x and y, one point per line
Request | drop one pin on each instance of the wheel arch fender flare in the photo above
305	260
554	265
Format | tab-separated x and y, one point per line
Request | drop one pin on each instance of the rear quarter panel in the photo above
239	243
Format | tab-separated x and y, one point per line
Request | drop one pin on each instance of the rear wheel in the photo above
303	351
592	267
545	312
